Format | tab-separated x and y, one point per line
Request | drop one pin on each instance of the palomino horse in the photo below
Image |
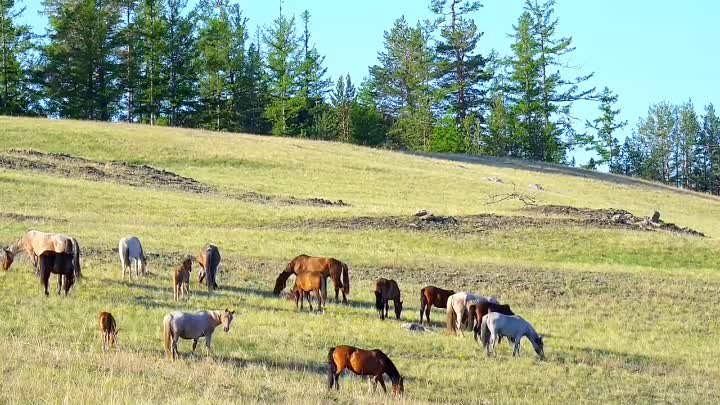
495	325
458	308
34	243
209	260
183	325
181	279
60	264
365	363
329	267
108	330
308	282
477	311
430	296
131	255
386	290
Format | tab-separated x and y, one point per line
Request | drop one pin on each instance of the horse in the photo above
365	363
183	325
60	264
108	330
495	325
477	311
209	260
131	255
386	290
329	267
34	243
181	279
458	308
430	296
305	283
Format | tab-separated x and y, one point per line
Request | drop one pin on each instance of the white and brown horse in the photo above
34	243
131	256
177	325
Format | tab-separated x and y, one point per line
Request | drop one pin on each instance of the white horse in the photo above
183	325
131	254
496	325
458	307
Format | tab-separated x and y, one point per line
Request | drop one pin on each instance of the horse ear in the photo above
226	310
232	312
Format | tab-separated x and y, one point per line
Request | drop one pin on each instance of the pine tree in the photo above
463	72
313	83
282	67
16	41
706	156
655	135
128	39
369	126
179	67
604	141
257	90
343	99
687	129
82	70
151	49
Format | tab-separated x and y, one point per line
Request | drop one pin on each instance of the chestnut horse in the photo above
60	264
365	363
34	243
430	296
181	279
386	290
329	267
209	260
306	283
477	311
108	329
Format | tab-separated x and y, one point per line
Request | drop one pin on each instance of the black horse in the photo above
60	264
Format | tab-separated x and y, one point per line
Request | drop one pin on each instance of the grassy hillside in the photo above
628	314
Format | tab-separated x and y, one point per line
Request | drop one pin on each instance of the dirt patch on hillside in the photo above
33	219
61	164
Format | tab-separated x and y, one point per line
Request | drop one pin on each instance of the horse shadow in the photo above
611	359
293	366
248	291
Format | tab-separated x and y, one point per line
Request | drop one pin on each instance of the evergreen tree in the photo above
343	100
686	133
257	91
462	71
82	70
369	126
150	50
179	66
128	39
706	157
17	94
655	135
282	67
603	141
313	84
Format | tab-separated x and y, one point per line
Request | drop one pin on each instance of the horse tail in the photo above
113	325
167	335
332	368
345	278
76	257
423	303
484	332
451	317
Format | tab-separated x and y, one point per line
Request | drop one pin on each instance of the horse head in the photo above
539	346
398	309
399	387
281	282
7	258
226	319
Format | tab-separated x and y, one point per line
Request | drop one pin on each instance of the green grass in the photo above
629	316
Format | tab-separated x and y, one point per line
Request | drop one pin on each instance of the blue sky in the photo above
646	51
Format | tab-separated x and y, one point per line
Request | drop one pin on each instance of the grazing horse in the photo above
430	296
365	363
458	308
209	261
131	255
60	264
181	279
34	243
495	325
307	282
183	325
108	330
477	311
329	267
386	290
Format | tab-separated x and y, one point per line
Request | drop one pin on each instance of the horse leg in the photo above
45	277
208	340
195	342
309	298
382	382
174	352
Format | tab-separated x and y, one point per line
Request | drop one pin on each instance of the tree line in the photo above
434	88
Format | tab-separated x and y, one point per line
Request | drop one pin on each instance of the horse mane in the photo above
391	370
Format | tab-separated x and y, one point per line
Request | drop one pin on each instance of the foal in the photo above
308	282
108	329
181	279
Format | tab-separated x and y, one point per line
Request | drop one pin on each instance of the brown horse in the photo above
308	282
108	329
430	296
181	279
209	260
366	363
34	243
386	290
477	311
60	264
329	267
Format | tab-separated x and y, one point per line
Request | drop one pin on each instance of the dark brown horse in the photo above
477	311
386	290
209	260
108	329
308	282
363	362
329	267
34	243
430	296
60	264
